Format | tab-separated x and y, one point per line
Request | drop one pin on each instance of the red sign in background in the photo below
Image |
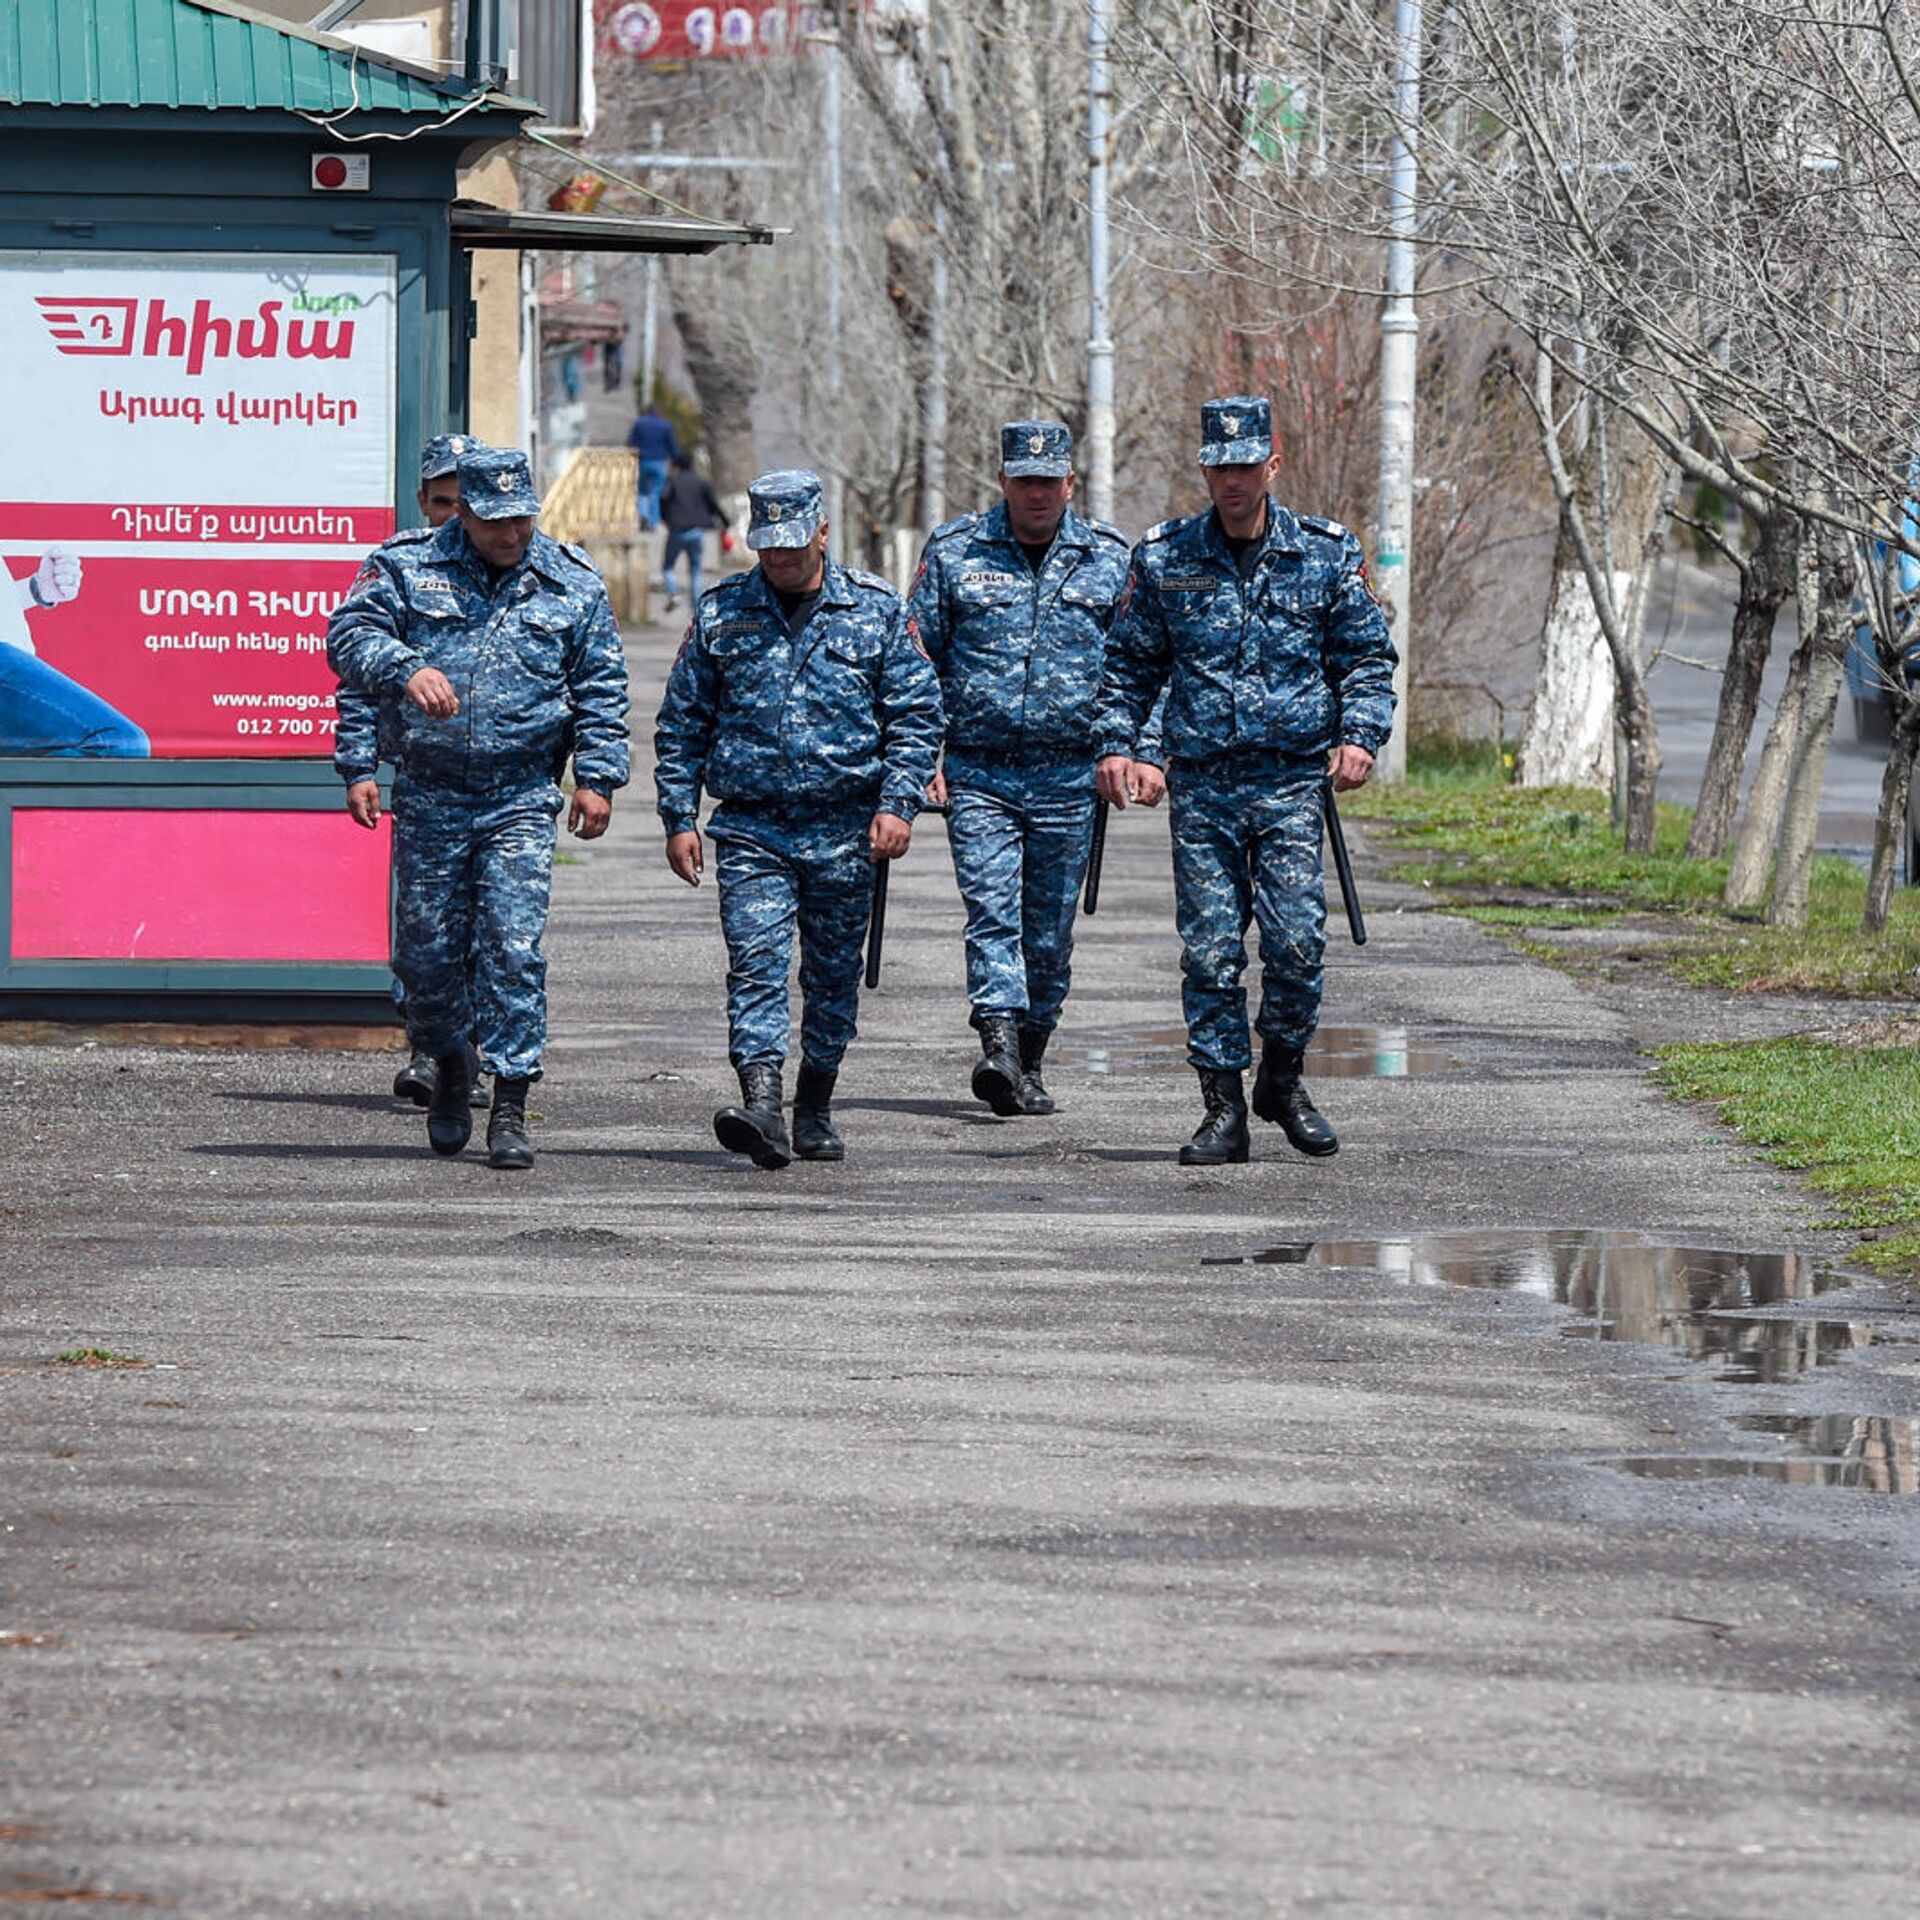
212	658
684	30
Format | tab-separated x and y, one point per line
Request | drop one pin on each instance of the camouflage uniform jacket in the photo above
844	713
534	656
1292	659
1019	653
367	728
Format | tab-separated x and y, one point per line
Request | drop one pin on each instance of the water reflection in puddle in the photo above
1697	1301
1336	1053
1868	1452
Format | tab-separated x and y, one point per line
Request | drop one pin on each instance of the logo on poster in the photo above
115	326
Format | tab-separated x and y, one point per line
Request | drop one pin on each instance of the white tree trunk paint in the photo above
1569	737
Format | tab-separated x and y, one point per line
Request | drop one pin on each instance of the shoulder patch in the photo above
961	523
1113	533
871	581
1315	524
407	537
1160	530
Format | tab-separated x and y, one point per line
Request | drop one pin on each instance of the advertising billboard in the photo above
199	452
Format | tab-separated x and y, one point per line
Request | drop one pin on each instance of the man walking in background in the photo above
652	439
688	507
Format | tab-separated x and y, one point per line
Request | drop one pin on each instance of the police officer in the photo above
1279	673
366	730
506	649
802	704
1013	607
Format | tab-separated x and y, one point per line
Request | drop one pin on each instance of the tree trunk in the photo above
723	361
1826	670
1890	823
1752	864
1765	581
1617	484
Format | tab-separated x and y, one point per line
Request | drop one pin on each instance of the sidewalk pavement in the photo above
981	1527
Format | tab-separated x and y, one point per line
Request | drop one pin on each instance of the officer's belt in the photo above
1236	761
800	813
1021	756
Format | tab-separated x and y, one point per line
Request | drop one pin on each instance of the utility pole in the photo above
1099	325
835	488
650	312
1393	547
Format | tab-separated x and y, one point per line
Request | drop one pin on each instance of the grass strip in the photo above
1843	1114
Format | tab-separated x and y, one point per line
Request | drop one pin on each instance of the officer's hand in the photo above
57	577
432	692
590	813
683	856
937	789
1149	782
1113	780
363	802
1350	768
888	836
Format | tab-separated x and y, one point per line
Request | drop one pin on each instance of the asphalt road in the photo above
1006	1522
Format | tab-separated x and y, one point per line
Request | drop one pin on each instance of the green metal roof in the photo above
175	53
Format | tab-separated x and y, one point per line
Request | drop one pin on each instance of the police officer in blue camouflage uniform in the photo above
1279	674
505	648
802	704
366	730
1013	607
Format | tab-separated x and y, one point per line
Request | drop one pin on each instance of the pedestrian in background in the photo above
505	647
800	702
367	730
1013	607
1278	671
652	439
688	508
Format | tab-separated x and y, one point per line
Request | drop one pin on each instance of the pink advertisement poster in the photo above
198	456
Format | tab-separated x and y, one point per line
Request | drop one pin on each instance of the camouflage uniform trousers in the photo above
1246	847
780	871
472	874
1020	828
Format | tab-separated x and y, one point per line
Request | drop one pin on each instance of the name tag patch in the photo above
1188	583
433	583
989	580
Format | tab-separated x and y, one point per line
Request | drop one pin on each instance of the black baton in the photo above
1343	867
1090	899
877	921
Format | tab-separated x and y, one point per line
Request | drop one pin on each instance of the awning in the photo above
478	226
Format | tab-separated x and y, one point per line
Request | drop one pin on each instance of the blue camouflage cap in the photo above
444	452
1236	432
1036	450
786	508
497	484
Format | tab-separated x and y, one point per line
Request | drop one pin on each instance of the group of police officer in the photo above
1236	661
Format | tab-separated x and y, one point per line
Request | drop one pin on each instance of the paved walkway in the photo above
982	1527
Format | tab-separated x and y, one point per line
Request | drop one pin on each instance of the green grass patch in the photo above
97	1357
1545	858
1846	1119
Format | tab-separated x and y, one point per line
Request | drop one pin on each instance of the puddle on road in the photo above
1696	1301
1336	1053
1870	1453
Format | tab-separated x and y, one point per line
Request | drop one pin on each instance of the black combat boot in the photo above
449	1116
1279	1097
996	1080
414	1081
477	1069
507	1144
1222	1137
1034	1097
755	1127
814	1137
